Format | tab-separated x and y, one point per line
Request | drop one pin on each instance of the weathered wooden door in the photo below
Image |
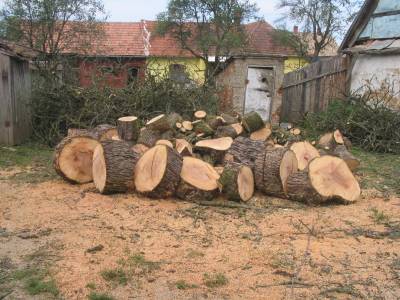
259	91
6	129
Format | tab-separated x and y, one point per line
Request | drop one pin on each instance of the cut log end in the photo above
337	135
245	183
261	135
199	174
200	114
332	178
73	158
165	143
305	152
99	169
289	165
187	125
221	144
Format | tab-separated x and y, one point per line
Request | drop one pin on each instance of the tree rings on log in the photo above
73	158
305	152
128	128
198	180
329	140
237	182
215	148
113	165
261	135
252	121
328	178
200	114
159	123
272	170
148	137
157	173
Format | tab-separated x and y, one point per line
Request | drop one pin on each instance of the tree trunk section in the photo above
245	151
148	137
298	188
252	121
237	182
113	166
352	162
128	128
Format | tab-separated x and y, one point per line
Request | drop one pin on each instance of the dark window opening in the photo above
132	74
177	73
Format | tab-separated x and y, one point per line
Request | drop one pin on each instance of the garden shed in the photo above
15	92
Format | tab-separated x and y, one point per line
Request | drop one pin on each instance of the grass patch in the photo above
183	285
215	280
91	286
34	159
36	281
99	296
138	261
379	171
379	217
117	276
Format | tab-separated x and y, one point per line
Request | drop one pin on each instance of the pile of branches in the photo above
58	106
200	158
370	120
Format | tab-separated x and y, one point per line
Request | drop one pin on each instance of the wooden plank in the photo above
5	102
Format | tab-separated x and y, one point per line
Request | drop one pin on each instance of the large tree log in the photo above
237	182
183	147
261	135
215	148
305	152
73	158
160	123
272	170
328	178
128	128
157	173
224	131
228	119
245	151
330	140
148	137
113	165
198	180
215	121
252	121
104	132
140	149
341	151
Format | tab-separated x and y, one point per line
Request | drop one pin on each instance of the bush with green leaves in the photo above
57	106
369	121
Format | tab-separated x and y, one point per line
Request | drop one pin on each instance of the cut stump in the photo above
252	121
261	135
128	128
305	152
237	182
160	123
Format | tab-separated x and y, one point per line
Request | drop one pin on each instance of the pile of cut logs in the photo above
199	159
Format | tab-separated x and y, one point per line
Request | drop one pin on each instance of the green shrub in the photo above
368	121
57	107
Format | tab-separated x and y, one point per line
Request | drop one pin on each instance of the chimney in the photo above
295	29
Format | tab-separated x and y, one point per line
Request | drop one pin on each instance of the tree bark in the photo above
252	121
148	137
245	151
237	182
128	128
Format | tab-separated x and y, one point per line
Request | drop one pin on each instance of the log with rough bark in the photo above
73	158
198	180
215	148
328	178
160	123
272	170
237	182
239	128
252	121
201	126
215	121
187	125
165	143
157	173
113	165
104	132
330	140
200	114
245	151
128	128
173	119
183	147
148	137
228	119
78	132
305	152
341	151
261	135
227	130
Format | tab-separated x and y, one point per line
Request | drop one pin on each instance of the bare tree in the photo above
320	20
208	28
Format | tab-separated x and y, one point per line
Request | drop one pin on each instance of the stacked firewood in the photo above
210	155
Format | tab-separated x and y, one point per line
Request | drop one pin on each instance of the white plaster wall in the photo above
375	69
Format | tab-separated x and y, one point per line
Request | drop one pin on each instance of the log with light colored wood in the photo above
261	135
73	158
330	140
165	142
140	149
215	121
183	147
198	180
128	128
341	151
215	148
272	170
305	152
148	137
200	114
237	182
160	123
157	173
113	166
187	125
328	178
104	132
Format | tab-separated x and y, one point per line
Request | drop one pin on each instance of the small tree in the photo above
208	28
321	20
54	27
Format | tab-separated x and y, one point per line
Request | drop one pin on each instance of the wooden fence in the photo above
313	87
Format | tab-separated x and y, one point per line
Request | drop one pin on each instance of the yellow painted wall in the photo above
294	63
159	67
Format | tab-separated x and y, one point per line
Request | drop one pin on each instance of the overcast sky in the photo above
135	10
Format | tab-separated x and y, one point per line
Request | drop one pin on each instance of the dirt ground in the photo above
129	247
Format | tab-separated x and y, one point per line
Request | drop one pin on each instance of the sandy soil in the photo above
275	250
